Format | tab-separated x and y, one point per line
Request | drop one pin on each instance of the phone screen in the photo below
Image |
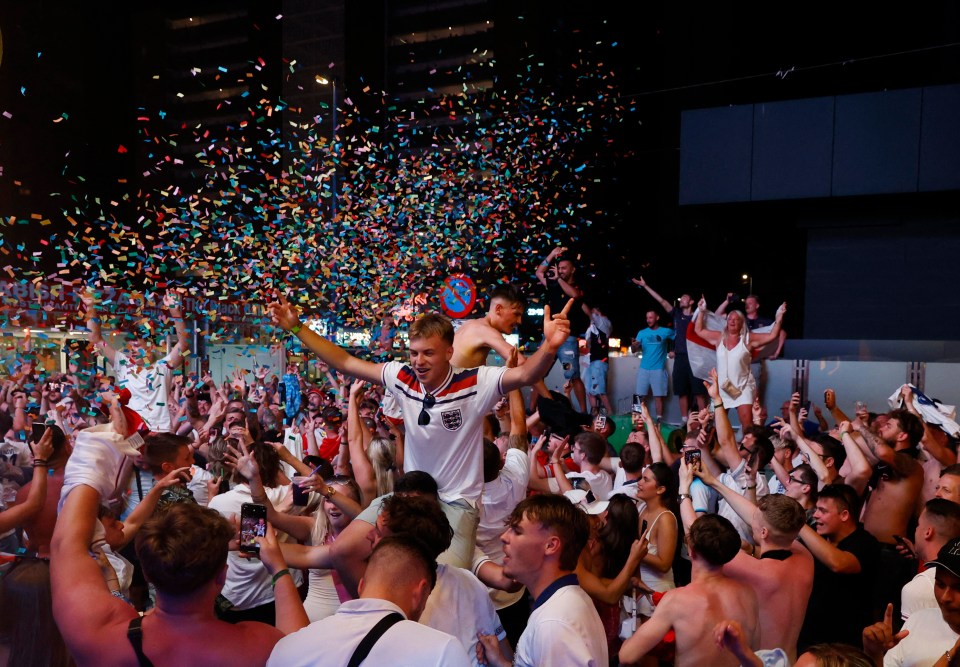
253	524
37	432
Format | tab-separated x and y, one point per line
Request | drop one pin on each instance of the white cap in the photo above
585	500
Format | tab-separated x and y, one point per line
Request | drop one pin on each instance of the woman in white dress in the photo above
735	346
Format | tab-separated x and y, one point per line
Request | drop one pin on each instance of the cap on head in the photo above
948	557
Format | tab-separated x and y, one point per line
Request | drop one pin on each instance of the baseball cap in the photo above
948	557
586	501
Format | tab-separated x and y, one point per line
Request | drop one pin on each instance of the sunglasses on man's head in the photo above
429	400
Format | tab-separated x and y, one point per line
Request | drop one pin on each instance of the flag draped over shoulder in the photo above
703	355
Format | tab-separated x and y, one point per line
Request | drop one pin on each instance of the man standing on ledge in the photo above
561	284
445	438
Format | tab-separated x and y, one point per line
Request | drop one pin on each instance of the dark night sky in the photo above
667	58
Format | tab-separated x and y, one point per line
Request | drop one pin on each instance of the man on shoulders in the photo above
443	406
475	338
542	544
139	366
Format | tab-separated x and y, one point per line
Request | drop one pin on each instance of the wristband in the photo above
718	405
279	574
684	496
39	463
747	488
296	328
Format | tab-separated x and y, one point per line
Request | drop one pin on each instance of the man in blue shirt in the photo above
652	376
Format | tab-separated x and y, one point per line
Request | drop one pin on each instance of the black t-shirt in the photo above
557	299
840	604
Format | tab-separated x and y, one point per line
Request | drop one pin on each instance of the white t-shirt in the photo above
332	640
459	605
450	447
248	582
930	637
149	387
734	480
564	630
499	498
918	594
600	482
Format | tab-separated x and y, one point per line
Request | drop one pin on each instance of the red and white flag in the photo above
703	355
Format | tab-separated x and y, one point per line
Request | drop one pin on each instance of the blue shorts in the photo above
656	380
597	378
569	356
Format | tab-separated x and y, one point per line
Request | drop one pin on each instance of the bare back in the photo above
181	641
783	590
473	342
695	610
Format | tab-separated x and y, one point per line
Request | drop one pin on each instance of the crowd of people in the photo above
414	507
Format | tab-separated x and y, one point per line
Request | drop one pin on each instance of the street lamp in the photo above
748	280
324	81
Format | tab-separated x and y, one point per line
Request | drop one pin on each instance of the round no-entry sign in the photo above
458	295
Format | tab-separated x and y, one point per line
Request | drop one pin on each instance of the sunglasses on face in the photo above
429	400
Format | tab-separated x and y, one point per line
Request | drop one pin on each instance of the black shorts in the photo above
684	383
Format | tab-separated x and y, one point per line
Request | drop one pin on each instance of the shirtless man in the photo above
475	338
694	610
782	576
890	507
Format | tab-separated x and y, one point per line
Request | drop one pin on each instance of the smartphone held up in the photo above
253	524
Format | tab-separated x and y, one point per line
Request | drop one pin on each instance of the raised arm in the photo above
298	527
836	560
934	440
545	264
31	506
700	327
362	469
722	308
172	303
144	509
611	590
285	316
860	468
758	340
556	329
93	326
667	306
658	448
830	403
725	433
84	604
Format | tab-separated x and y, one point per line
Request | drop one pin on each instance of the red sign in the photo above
458	295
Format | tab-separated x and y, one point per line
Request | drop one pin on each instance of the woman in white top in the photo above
340	505
658	489
735	346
